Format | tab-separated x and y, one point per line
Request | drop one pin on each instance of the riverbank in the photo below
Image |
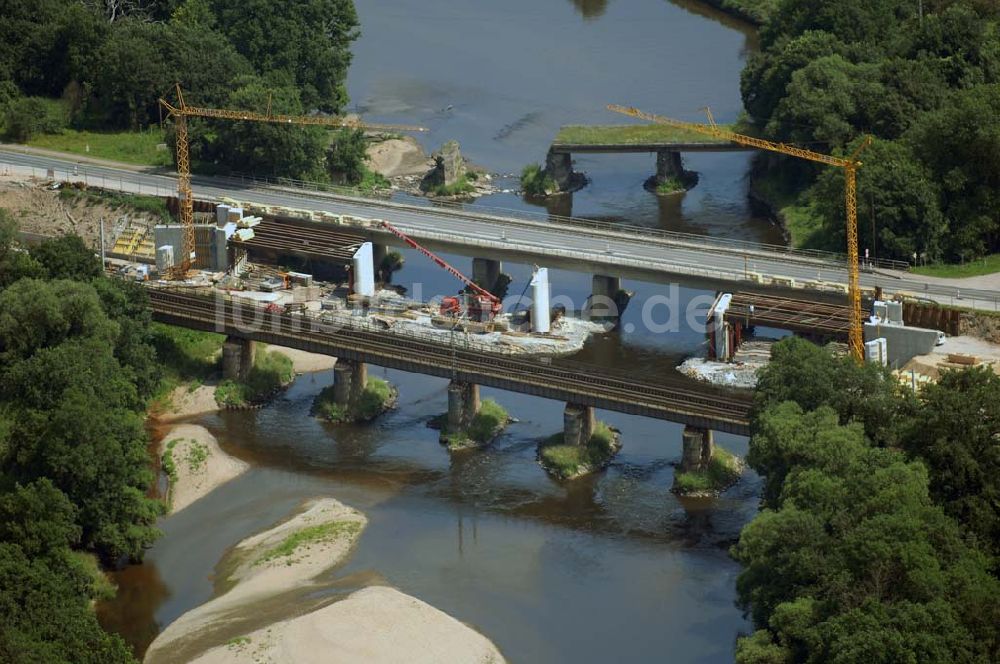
377	625
284	558
267	612
195	464
193	399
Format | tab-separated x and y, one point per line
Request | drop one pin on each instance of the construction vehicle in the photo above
478	305
850	166
181	112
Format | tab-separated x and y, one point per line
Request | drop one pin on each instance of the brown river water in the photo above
608	568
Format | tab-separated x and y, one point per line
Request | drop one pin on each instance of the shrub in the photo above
490	417
536	182
29	116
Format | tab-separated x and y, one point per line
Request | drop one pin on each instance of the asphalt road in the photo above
593	247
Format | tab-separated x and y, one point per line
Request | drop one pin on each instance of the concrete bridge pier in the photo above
559	166
578	424
699	444
486	272
349	381
379	252
668	165
237	358
608	300
463	404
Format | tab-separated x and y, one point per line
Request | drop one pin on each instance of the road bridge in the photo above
582	387
577	244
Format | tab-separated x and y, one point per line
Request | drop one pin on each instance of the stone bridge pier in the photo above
349	381
486	272
699	444
668	165
237	358
607	300
559	166
578	424
463	404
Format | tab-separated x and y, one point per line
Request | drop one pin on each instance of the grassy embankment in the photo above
723	469
979	267
187	356
567	461
271	371
375	398
487	424
130	147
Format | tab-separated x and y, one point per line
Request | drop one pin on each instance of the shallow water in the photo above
608	568
502	77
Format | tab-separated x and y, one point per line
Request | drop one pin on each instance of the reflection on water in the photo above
591	8
539	566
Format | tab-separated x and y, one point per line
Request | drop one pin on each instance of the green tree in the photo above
72	414
14	263
45	590
29	116
850	560
769	71
960	144
305	44
346	156
67	257
258	147
957	433
897	196
812	377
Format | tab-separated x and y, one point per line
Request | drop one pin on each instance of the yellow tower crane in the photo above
181	112
850	166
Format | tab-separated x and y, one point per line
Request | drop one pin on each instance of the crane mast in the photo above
850	166
181	112
496	305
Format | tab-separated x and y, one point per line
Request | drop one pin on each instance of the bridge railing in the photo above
730	244
93	176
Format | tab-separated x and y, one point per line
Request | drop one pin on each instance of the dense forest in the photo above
879	534
77	367
922	78
103	64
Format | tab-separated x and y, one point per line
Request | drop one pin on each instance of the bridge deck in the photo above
298	237
669	398
637	138
785	313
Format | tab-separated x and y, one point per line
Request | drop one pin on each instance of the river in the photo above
502	77
609	568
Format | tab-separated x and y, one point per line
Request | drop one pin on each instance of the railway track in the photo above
668	398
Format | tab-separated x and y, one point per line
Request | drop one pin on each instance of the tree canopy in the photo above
109	67
878	536
924	84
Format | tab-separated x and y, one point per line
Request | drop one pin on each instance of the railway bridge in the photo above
583	387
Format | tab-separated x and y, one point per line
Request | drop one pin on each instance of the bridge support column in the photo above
486	271
607	300
237	358
463	404
699	444
349	380
668	165
379	252
559	166
578	424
